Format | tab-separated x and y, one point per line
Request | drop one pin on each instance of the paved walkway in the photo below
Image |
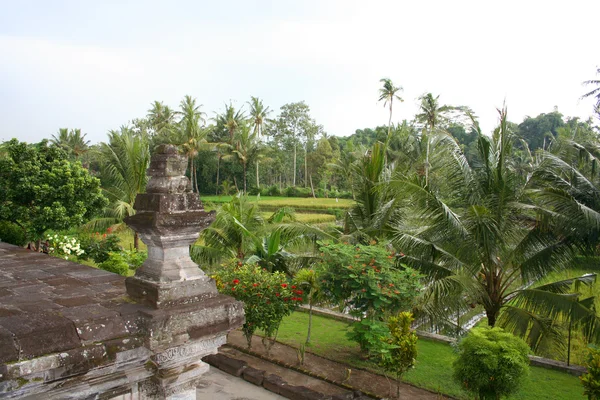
218	385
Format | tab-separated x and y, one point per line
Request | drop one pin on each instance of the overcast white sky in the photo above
95	65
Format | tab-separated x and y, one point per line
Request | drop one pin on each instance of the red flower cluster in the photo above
284	285
236	281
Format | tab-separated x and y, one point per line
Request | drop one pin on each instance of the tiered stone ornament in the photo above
169	218
187	318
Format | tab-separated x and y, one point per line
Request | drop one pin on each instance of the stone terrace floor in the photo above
48	305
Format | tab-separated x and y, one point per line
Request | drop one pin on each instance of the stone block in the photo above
41	333
343	396
253	375
95	323
226	364
301	393
273	383
74	301
8	351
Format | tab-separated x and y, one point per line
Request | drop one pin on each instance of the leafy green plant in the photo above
116	263
491	363
364	279
401	354
267	297
591	380
99	247
12	233
123	261
64	246
371	335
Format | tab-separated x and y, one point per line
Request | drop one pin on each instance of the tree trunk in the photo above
491	316
136	241
294	180
309	321
218	171
312	188
257	176
245	178
306	167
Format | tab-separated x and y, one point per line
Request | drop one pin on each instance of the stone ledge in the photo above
230	365
274	383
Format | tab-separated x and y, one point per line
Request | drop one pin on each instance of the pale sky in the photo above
95	65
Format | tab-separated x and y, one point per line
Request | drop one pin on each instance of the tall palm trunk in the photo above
294	180
257	176
218	171
245	177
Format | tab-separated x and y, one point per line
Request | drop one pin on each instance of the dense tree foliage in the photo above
42	189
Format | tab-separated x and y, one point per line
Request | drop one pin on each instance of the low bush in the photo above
98	248
591	380
123	262
267	297
12	233
491	363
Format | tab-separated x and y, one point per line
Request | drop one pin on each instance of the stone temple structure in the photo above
68	331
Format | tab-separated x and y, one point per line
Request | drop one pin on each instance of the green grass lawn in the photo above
297	202
434	361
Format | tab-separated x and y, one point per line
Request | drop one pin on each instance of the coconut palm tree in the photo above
192	133
481	242
432	115
72	141
387	94
161	119
125	159
258	116
244	148
594	92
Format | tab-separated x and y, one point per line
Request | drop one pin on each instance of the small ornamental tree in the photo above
491	363
267	297
307	280
591	380
365	280
41	189
401	352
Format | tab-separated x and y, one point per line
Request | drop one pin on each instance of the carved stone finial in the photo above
169	219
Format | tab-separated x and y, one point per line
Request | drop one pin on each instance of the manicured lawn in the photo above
298	202
434	362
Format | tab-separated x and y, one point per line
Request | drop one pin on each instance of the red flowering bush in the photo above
267	296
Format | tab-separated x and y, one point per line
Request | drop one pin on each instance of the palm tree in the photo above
309	281
244	149
594	92
193	135
72	141
258	116
161	118
431	115
125	157
387	94
490	248
231	120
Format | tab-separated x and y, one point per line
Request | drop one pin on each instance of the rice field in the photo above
296	202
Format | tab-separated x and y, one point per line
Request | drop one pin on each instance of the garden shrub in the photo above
401	351
272	190
98	248
123	261
267	297
591	380
64	246
365	280
12	233
371	335
491	363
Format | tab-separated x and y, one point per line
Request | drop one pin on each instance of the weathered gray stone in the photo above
253	375
230	365
273	383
